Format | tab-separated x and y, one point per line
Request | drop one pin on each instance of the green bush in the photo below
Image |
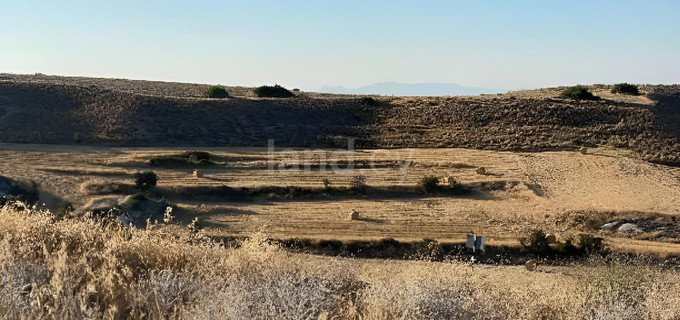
578	93
186	158
63	208
537	242
275	91
625	88
216	92
146	179
429	184
590	244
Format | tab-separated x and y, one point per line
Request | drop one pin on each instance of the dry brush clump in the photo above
84	268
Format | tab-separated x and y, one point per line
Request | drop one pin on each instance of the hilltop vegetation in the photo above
48	109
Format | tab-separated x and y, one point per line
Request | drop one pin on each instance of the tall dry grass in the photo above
80	269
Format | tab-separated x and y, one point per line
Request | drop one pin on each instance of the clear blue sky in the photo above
308	44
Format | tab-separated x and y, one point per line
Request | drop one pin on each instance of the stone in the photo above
353	215
629	228
610	225
481	170
551	238
531	265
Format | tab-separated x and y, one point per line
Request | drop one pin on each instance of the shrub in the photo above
537	241
216	92
578	93
146	179
194	226
197	157
63	209
358	184
625	88
191	158
429	184
452	182
590	244
368	101
275	91
11	190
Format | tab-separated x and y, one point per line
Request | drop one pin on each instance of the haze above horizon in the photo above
310	44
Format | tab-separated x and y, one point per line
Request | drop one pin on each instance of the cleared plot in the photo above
554	191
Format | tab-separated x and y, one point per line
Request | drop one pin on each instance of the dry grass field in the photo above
561	192
88	269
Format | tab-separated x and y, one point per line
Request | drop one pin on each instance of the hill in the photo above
67	110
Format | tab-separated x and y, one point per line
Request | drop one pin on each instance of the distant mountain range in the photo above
410	89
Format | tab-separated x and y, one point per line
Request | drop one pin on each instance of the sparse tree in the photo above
146	179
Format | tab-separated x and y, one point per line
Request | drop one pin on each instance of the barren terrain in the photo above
71	110
562	192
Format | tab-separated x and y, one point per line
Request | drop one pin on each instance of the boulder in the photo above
531	265
353	215
551	238
629	228
610	226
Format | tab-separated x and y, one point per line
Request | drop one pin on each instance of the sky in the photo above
310	44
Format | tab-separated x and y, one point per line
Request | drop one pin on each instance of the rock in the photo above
610	225
583	150
353	215
551	238
481	170
629	228
530	265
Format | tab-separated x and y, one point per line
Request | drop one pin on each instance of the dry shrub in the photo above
80	268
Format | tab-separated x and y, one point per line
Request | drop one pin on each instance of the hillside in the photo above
67	110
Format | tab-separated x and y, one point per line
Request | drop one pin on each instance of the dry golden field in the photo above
565	192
